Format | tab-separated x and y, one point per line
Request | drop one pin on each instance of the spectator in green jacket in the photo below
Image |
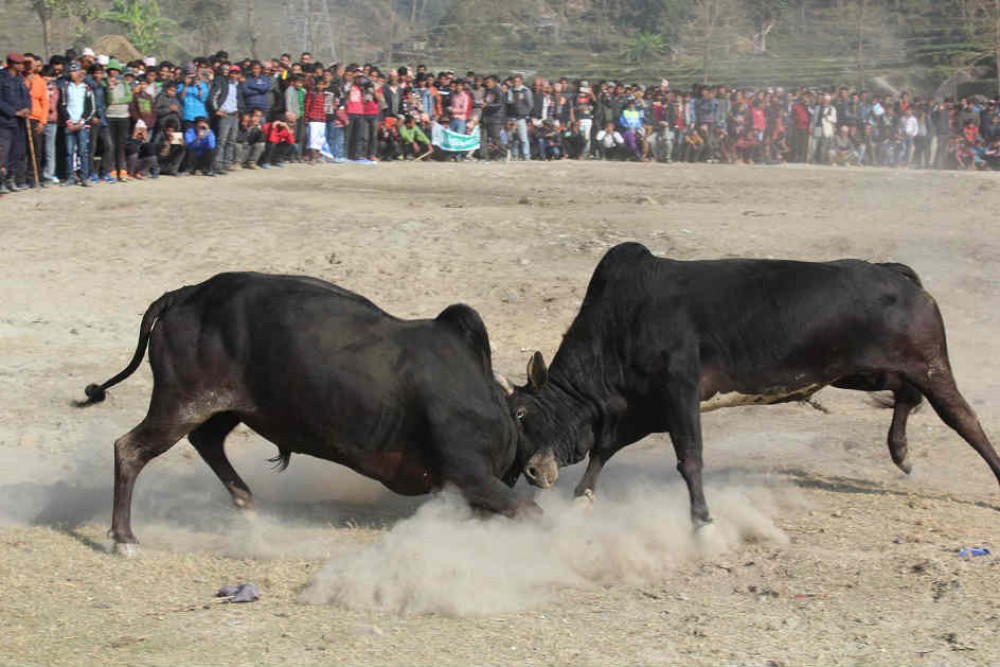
414	142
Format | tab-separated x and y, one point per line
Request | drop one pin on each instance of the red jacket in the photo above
371	107
800	116
315	111
278	135
355	100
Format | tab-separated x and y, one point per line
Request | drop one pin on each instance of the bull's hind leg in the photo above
133	451
167	421
938	385
209	440
905	398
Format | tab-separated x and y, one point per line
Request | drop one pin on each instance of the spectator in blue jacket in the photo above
255	90
200	142
193	94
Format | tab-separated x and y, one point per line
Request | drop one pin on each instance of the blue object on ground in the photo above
969	552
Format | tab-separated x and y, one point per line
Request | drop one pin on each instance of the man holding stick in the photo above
15	106
35	126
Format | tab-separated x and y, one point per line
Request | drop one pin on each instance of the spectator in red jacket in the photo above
801	121
370	111
315	117
280	140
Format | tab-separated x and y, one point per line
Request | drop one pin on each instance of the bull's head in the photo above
547	426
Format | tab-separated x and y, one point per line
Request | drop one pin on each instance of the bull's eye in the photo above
520	414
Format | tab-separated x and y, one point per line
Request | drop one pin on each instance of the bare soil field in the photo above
823	553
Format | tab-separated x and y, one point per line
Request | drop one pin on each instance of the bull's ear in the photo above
538	374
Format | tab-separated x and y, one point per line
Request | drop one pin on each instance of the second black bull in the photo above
658	341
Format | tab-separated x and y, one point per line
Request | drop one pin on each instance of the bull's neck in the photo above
577	391
582	371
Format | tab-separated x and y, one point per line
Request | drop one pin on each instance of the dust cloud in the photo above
390	553
180	506
448	560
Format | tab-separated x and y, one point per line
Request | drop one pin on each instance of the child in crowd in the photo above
250	141
280	143
171	152
141	154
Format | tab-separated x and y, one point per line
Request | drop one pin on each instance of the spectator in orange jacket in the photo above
38	118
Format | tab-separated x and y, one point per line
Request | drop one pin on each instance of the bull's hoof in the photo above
700	522
584	501
126	549
905	465
244	503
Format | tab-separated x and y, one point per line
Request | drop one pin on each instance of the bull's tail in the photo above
903	270
97	392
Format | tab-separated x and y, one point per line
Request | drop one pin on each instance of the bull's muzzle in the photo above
542	470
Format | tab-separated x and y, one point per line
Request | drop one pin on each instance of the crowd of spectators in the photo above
87	118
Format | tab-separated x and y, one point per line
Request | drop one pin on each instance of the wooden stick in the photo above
31	148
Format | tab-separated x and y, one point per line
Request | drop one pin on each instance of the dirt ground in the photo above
831	555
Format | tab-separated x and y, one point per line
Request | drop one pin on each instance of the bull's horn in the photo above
503	382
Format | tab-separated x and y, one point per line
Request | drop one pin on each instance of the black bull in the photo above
322	371
658	341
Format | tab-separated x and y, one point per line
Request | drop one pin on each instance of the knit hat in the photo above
113	64
149	61
102	59
140	124
87	51
74	66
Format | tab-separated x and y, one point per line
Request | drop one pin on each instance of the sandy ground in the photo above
824	553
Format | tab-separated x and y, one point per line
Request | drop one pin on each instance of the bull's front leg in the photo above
485	491
588	483
598	457
684	422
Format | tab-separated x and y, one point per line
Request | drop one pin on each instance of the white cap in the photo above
140	125
149	61
103	59
89	52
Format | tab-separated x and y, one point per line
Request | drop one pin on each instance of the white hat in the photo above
87	51
149	61
103	60
140	125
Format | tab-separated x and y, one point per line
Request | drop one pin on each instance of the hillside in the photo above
913	44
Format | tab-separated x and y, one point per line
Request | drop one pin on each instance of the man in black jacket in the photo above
15	105
494	117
